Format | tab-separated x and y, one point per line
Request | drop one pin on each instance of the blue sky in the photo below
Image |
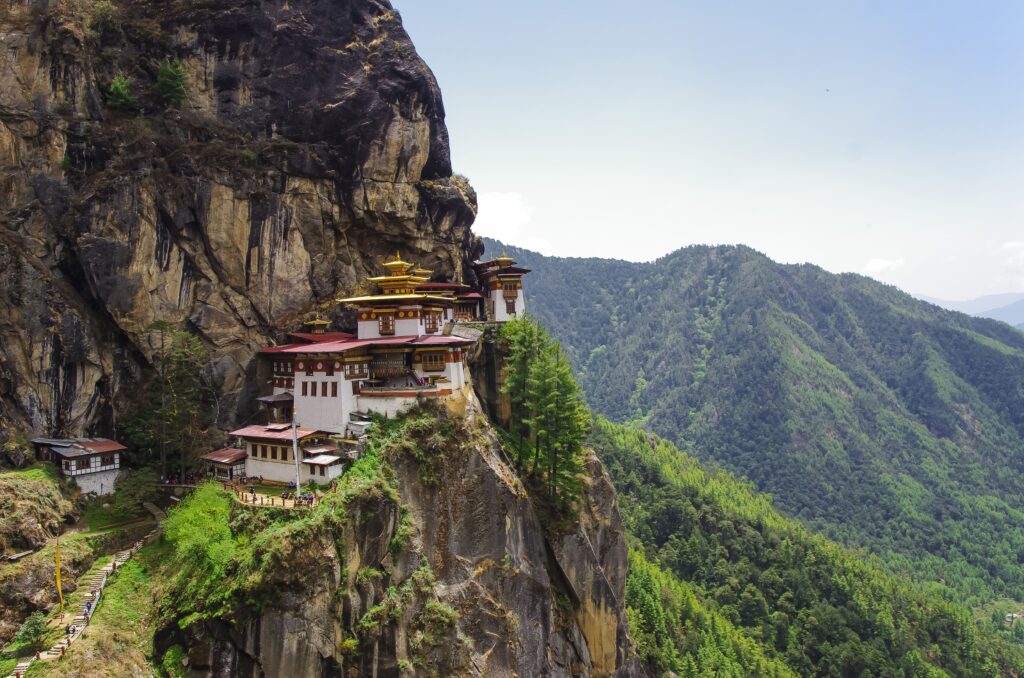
885	138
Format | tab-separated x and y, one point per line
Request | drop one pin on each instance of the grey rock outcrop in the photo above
311	143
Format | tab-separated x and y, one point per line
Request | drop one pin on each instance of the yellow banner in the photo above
60	593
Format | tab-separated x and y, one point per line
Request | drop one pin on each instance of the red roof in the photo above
265	433
342	346
277	349
318	338
470	295
101	445
228	455
442	340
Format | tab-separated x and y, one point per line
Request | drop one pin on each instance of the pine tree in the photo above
170	83
524	340
120	97
570	425
548	410
172	416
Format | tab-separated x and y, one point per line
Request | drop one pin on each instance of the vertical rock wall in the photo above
310	144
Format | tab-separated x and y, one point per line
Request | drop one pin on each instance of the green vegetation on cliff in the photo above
550	419
230	554
880	420
170	423
759	585
34	504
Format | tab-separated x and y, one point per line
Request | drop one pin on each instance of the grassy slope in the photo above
119	639
730	561
875	418
33	504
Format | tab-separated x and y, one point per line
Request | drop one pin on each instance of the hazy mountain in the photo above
978	305
877	418
1006	307
1011	313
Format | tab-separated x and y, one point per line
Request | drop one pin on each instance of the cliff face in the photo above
311	142
477	587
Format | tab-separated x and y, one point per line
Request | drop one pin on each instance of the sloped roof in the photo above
227	455
266	433
80	447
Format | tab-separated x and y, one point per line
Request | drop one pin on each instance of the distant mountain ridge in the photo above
1006	307
879	419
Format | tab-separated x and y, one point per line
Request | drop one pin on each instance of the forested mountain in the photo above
723	585
875	418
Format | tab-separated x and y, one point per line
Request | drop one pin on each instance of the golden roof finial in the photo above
317	325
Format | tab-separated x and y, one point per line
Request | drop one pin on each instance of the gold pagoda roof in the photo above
396	266
375	298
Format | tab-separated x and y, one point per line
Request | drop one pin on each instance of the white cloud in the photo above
1013	263
875	267
1014	252
508	218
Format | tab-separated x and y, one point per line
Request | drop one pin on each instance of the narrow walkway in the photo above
269	501
96	582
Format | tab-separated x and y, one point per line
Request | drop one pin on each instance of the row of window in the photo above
83	463
282	367
309	389
269	452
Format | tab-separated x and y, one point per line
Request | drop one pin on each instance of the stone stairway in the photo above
95	583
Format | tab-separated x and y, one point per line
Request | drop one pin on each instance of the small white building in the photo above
227	464
270	454
93	463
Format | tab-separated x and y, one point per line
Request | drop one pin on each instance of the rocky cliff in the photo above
310	143
430	560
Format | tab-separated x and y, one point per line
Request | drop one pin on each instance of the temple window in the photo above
356	371
387	323
433	362
510	306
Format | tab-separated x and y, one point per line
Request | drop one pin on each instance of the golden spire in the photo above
317	325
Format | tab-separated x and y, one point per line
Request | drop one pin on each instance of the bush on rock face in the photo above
170	83
121	97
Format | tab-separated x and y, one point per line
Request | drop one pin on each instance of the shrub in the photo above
120	97
170	83
105	17
32	631
173	662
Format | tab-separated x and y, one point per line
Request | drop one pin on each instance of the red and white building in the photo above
93	463
330	381
501	282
